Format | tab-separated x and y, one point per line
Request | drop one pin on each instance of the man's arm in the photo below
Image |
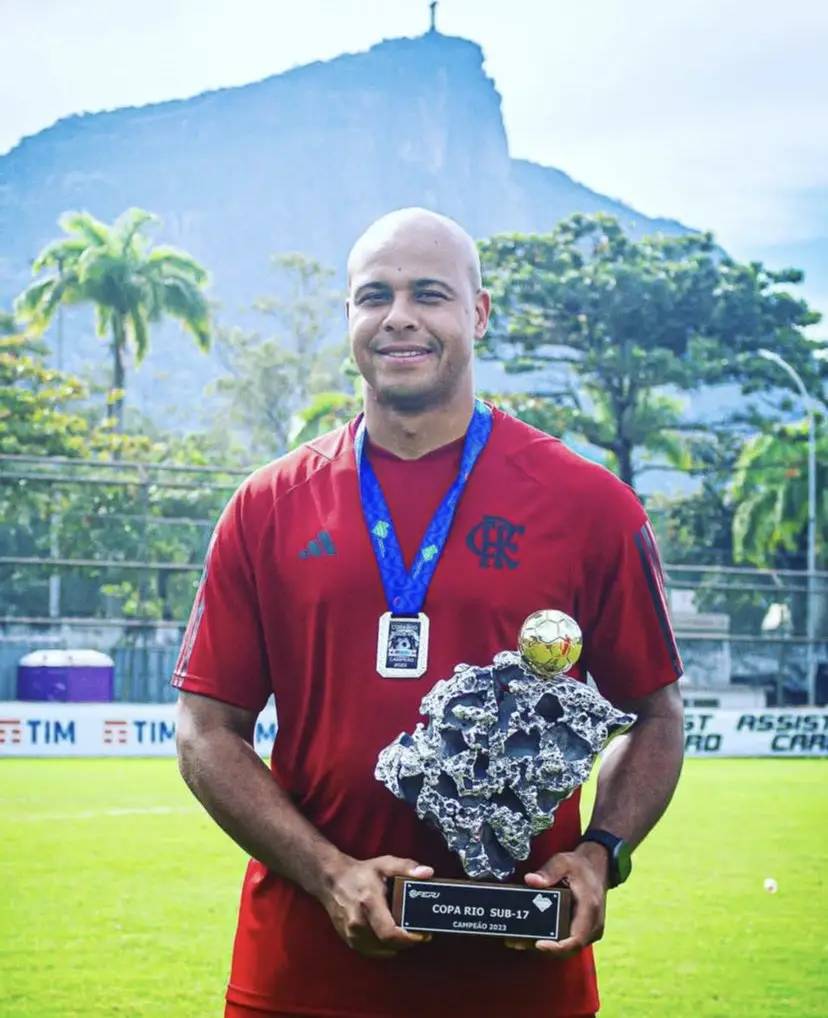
638	776
222	769
636	782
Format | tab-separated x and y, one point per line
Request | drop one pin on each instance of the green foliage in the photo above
268	381
37	404
124	502
770	488
697	530
131	285
618	321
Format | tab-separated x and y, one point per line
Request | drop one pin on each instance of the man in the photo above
514	522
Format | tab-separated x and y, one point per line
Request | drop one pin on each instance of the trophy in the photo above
504	746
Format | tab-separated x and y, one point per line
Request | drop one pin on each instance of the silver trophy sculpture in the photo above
503	747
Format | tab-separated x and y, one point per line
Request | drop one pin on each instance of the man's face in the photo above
414	315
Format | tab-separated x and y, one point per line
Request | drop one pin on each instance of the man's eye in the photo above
372	298
433	295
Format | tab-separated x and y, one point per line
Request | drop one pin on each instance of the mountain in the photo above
301	161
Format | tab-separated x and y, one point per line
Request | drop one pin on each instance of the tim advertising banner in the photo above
100	729
136	730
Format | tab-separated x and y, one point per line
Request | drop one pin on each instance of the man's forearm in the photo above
239	792
638	776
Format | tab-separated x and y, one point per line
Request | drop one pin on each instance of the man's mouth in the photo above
404	352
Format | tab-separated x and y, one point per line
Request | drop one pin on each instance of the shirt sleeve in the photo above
630	648
223	652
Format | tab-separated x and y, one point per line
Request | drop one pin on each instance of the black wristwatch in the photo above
620	856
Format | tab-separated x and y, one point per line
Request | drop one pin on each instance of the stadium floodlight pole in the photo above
810	665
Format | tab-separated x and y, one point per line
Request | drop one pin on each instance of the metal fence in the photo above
107	554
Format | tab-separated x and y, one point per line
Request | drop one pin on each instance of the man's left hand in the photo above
584	871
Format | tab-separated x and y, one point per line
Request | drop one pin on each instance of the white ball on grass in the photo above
770	885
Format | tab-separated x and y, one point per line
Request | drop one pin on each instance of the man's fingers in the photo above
393	866
588	906
559	948
587	923
549	874
385	930
359	908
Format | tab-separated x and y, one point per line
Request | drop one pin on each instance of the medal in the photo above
402	646
402	639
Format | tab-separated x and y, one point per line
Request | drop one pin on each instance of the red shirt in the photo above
290	604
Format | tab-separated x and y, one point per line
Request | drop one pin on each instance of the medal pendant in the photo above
402	646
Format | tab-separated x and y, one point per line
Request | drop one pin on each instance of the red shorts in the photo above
239	1011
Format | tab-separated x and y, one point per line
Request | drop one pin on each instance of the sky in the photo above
713	112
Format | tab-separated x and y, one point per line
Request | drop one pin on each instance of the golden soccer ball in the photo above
550	642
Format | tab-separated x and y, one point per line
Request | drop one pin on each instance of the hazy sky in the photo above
714	112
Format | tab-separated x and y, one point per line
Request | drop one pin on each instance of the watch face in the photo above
623	861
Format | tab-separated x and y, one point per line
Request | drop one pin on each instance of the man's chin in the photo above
410	399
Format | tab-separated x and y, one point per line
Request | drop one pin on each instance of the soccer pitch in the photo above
119	896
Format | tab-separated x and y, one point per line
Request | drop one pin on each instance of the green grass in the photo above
117	913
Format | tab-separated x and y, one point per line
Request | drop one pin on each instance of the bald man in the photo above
349	576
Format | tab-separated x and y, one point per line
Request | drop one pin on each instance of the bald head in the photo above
419	230
416	308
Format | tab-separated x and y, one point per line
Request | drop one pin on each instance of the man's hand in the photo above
584	871
358	906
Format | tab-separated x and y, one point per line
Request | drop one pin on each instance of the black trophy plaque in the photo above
482	909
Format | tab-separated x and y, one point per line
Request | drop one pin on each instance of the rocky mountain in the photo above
301	161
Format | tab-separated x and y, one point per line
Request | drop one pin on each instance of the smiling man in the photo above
413	321
447	523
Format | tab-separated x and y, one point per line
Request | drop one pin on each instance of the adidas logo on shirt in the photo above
320	545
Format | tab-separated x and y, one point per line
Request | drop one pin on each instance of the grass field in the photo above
119	897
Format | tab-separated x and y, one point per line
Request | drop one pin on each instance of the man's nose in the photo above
400	316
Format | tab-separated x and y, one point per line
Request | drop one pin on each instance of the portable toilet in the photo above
66	676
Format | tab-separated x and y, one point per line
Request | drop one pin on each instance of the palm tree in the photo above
131	285
652	429
770	490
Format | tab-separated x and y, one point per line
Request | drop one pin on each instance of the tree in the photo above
122	502
36	414
269	380
622	324
130	284
651	429
328	410
696	530
39	415
770	490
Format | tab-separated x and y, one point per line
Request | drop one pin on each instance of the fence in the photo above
107	555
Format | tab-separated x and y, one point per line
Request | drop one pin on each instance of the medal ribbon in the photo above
406	591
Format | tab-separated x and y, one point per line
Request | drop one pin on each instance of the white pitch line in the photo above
97	815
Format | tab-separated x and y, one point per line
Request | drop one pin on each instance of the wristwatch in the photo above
620	856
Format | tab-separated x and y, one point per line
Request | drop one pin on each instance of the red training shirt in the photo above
290	603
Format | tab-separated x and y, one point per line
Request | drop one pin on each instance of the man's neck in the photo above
411	436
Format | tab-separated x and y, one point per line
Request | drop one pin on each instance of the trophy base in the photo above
481	909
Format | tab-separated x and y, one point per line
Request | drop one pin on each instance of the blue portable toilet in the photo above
66	676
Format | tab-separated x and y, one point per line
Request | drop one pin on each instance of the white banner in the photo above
101	729
126	730
797	731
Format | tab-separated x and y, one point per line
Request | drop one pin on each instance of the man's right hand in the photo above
358	905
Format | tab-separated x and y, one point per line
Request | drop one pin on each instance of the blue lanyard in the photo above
406	591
